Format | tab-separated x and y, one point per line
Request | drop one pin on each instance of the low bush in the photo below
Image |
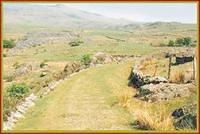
8	43
12	96
18	91
86	59
75	43
171	43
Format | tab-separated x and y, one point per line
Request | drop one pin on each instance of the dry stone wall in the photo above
156	88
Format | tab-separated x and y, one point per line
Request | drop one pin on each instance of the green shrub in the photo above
9	101
4	55
12	96
75	43
171	43
179	41
86	59
18	91
187	41
8	43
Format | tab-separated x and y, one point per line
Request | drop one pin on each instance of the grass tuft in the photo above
124	97
157	119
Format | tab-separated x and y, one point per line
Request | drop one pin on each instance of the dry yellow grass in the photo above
177	76
181	74
149	66
154	119
124	97
151	118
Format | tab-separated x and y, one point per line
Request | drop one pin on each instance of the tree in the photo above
179	41
187	41
171	43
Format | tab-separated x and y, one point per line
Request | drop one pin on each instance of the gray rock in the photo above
164	91
185	117
101	58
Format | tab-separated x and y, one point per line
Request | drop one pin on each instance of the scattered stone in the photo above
185	117
21	109
43	74
38	38
51	85
17	115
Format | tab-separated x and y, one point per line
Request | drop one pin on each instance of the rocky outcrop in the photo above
164	91
39	38
72	67
101	58
185	117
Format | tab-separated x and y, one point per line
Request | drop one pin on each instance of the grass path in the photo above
83	102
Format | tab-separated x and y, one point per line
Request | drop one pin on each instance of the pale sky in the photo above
143	12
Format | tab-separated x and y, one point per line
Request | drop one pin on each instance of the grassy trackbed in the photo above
83	102
98	99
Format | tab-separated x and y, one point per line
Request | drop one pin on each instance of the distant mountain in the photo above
56	16
160	26
62	16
